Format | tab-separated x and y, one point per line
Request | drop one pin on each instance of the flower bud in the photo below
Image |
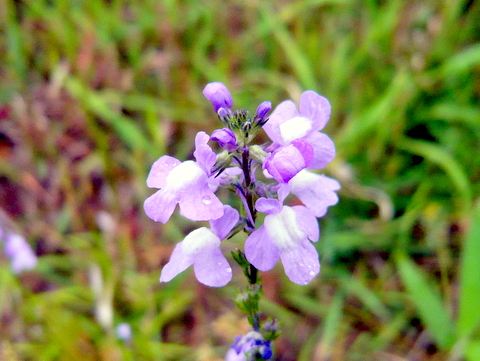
257	153
263	109
222	162
225	138
218	95
285	162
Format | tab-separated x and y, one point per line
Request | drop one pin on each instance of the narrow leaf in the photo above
427	301
469	310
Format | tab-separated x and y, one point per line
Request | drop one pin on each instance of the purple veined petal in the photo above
212	268
305	149
160	170
317	192
200	203
160	205
218	95
268	205
204	155
324	150
285	162
316	108
223	225
225	138
184	254
301	263
260	250
284	111
187	185
307	221
179	262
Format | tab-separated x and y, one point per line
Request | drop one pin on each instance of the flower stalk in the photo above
297	147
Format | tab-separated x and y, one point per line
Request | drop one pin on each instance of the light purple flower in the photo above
201	248
124	331
286	234
218	95
317	192
286	161
188	184
20	253
286	124
225	138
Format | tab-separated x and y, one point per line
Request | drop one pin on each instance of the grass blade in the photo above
427	301
469	311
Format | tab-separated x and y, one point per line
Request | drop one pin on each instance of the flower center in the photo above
283	229
183	176
199	240
295	128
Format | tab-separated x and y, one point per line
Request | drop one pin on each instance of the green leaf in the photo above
469	301
427	301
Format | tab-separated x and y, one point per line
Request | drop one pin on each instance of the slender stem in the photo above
247	192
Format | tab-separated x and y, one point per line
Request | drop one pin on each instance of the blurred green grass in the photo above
93	92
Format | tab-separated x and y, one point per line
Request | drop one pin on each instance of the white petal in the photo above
295	128
199	240
283	229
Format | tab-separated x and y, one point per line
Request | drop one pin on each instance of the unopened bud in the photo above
225	138
263	109
257	153
218	95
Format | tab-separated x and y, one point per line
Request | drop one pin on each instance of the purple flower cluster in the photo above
251	345
285	164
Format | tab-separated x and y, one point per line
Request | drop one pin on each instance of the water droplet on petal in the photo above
229	270
312	273
301	264
206	200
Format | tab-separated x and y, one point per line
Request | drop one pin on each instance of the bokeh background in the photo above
93	92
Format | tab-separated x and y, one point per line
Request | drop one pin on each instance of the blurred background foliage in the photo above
92	92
